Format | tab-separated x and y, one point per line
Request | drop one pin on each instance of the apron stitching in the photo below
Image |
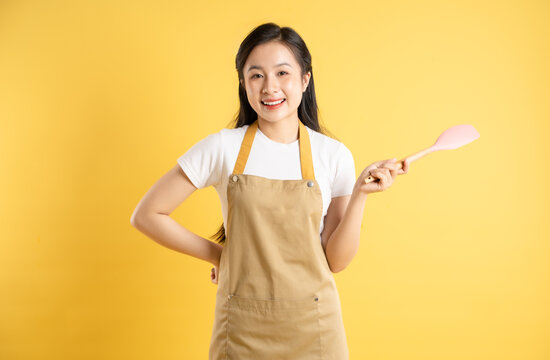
226	329
282	187
319	325
228	298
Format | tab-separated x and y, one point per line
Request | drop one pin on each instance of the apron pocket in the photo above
273	328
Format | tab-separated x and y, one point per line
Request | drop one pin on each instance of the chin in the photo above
274	118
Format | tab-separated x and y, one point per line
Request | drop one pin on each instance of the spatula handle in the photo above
372	178
399	163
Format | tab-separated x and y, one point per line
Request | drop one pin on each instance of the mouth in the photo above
273	104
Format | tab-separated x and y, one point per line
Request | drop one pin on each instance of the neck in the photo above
282	131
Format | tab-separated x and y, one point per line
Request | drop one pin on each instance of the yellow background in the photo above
98	99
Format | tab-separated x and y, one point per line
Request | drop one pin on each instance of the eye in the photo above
254	76
283	72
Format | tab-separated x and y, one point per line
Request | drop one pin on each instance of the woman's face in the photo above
271	73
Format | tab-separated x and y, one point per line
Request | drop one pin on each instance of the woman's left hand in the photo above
214	275
386	171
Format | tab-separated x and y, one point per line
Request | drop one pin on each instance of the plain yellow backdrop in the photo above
98	99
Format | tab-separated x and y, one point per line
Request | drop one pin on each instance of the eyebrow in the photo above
259	67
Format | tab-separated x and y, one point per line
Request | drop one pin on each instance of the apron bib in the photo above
276	296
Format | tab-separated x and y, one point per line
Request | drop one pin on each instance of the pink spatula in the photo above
452	138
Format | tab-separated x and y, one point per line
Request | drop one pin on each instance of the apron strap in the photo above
306	161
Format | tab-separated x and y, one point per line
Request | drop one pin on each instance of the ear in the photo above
306	81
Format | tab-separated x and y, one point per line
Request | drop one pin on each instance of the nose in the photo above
271	84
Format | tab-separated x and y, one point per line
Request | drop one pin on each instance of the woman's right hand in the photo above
214	275
384	171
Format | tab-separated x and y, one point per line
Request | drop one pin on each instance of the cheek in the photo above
249	92
294	90
252	90
253	99
294	87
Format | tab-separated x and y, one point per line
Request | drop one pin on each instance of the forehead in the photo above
269	55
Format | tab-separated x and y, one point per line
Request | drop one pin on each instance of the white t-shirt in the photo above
211	160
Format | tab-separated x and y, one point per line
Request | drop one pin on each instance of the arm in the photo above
152	217
341	232
340	237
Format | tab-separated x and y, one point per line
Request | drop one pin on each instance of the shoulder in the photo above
328	146
222	138
233	135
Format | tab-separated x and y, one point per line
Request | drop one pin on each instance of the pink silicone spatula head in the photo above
455	137
452	138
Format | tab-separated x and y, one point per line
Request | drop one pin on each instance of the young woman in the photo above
291	206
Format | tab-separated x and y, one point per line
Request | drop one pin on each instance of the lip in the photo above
272	100
273	107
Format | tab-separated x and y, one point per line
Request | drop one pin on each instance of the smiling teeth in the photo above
273	103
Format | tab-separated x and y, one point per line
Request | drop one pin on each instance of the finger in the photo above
376	180
392	168
385	172
381	163
380	171
405	168
389	178
375	173
390	162
383	181
381	174
393	164
380	180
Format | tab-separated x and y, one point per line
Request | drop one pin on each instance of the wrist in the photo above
216	254
359	195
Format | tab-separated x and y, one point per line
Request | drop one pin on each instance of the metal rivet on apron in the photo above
235	178
316	299
309	183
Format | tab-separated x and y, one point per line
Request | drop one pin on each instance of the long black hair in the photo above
307	110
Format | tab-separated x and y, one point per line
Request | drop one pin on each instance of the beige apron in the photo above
276	296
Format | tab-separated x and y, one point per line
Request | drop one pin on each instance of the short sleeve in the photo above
344	178
202	163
